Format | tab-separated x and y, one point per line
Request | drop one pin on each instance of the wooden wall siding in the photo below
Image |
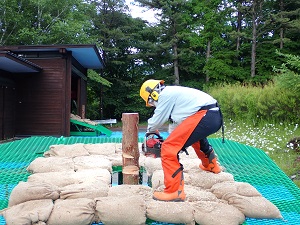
1	112
7	111
81	89
42	105
82	97
67	101
78	88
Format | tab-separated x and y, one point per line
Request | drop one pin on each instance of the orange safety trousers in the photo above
172	146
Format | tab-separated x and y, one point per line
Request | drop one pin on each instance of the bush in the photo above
256	103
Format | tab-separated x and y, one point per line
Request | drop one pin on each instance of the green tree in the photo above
286	21
11	20
174	18
210	26
194	42
252	29
45	22
289	73
121	38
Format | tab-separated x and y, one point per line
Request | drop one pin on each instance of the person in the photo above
197	115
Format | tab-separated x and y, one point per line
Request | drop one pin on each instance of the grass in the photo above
272	138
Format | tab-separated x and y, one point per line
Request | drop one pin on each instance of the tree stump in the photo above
130	148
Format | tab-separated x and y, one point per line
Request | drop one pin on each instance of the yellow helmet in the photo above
147	89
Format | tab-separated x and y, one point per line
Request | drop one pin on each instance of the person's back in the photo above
184	101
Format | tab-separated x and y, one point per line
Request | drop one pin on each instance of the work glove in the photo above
152	134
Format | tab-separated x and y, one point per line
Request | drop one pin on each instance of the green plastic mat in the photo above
245	163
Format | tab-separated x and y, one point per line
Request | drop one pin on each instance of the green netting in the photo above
245	163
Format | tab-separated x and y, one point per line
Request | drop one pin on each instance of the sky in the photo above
140	12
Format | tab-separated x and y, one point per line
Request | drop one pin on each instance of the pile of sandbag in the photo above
78	118
71	185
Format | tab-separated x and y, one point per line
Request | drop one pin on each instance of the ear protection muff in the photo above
153	94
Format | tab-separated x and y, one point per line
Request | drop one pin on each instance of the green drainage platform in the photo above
245	163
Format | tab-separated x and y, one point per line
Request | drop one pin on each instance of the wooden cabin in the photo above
40	86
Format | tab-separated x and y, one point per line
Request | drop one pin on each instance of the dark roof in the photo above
12	63
87	55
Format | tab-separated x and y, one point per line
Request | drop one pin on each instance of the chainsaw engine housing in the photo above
152	145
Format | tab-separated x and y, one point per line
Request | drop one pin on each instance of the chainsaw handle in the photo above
154	133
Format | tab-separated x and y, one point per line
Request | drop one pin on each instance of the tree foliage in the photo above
45	22
194	43
289	73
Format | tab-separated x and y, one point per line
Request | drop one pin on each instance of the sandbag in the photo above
51	164
27	191
66	150
255	207
191	154
129	210
92	162
28	213
93	175
62	179
157	179
39	223
85	190
142	160
190	164
101	148
240	188
80	211
88	121
119	148
116	159
217	213
130	190
206	179
194	194
170	212
152	164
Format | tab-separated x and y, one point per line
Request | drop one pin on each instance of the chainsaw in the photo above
152	145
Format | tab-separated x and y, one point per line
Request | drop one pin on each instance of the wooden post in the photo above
130	148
